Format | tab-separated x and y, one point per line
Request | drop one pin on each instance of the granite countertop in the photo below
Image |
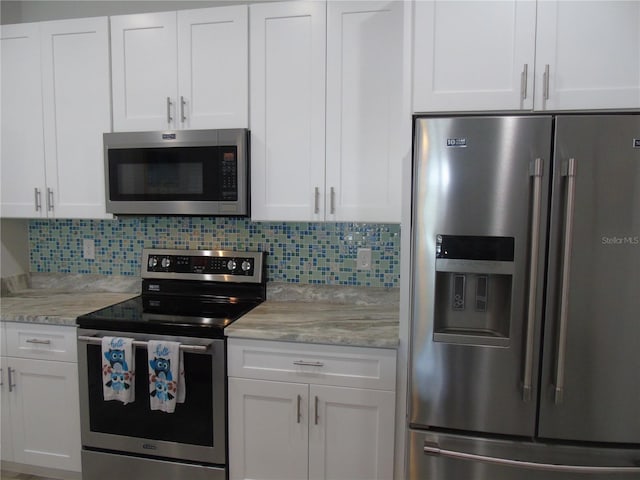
60	299
333	315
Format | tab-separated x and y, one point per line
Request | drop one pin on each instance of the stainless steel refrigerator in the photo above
525	343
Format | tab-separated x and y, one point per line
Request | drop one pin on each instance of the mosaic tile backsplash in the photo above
307	253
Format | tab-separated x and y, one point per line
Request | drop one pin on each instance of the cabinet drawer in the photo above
45	342
357	367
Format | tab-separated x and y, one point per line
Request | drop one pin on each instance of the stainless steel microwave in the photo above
182	172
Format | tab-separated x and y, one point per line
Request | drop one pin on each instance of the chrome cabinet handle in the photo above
38	199
545	83
536	173
298	414
316	416
316	199
430	449
1	377
569	171
11	384
183	102
38	341
138	343
169	103
308	364
333	201
523	81
49	199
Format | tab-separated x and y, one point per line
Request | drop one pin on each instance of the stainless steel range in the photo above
187	297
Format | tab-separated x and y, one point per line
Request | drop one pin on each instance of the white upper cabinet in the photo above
330	112
185	69
472	55
55	108
76	106
287	65
368	129
22	158
588	55
524	55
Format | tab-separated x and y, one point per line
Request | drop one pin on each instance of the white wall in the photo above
14	254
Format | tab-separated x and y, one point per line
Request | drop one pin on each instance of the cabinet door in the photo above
76	105
268	430
287	96
6	440
22	160
143	68
591	63
473	55
45	413
213	63
368	127
351	433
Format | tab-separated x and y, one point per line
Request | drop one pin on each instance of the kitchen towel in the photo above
166	375
118	370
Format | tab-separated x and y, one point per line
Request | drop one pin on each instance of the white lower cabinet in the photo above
292	415
40	405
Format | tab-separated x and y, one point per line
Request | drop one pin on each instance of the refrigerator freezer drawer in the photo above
443	456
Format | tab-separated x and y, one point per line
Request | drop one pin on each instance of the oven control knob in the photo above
153	261
246	266
231	265
166	261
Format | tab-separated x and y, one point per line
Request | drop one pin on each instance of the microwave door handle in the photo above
569	171
536	173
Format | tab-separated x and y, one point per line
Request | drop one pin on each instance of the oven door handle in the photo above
138	343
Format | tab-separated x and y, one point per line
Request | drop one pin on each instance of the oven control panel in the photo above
216	265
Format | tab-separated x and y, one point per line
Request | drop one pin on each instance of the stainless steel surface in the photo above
183	102
49	199
169	117
107	466
38	199
186	138
534	259
255	277
305	363
184	347
472	380
601	393
10	379
523	81
38	341
545	83
436	456
333	201
215	349
570	175
572	378
548	467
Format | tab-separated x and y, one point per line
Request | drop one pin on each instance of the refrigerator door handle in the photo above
536	173
434	449
569	171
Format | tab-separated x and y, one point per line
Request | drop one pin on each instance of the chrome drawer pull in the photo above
430	449
308	364
138	343
38	341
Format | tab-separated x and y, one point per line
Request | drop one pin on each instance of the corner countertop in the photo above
334	315
59	299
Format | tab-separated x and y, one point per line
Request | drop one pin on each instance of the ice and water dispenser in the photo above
473	289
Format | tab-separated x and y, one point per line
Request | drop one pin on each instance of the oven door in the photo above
194	432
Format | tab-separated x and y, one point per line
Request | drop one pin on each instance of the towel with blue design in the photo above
118	371
166	375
